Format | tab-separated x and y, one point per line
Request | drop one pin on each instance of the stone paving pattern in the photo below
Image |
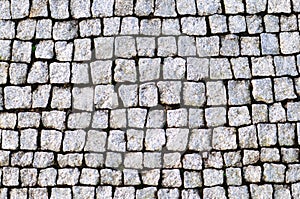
149	99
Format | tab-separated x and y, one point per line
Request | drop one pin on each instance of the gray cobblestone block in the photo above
80	73
237	24
155	139
233	159
214	192
21	159
80	8
38	73
19	9
28	139
57	193
194	94
150	177
247	137
3	72
218	24
18	73
28	176
51	140
282	191
224	138
196	118
10	176
192	161
89	176
147	73
74	140
101	72
207	46
200	140
5	14
156	119
59	72
131	177
170	27
105	97
18	193
111	177
145	46
111	26
118	118
82	50
269	43
172	160
192	179
8	120
8	29
70	159
186	46
144	8
64	50
215	116
38	193
121	192
136	117
285	65
116	141
177	139
214	160
238	92
134	140
17	97
90	27
125	46
39	8
293	111
233	176
233	6
252	174
165	8
133	160
292	173
21	51
259	113
235	192
5	156
68	176
167	46
239	116
5	53
186	7
212	177
28	119
257	191
129	95
125	71
271	23
47	177
25	29
10	139
150	27
284	89
171	178
230	45
269	155
288	23
279	6
61	98
250	157
254	24
216	93
40	96
289	42
262	66
290	155
103	192
274	172
82	98
79	120
169	92
193	25
94	160
220	69
130	26
208	8
267	134
254	7
149	192
65	30
43	159
104	47
250	46
262	90
59	9
43	29
197	68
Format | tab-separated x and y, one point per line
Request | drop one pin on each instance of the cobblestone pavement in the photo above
149	99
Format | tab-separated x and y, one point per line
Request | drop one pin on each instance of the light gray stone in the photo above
65	30
17	73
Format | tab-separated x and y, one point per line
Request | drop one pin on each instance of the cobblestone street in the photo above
167	99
